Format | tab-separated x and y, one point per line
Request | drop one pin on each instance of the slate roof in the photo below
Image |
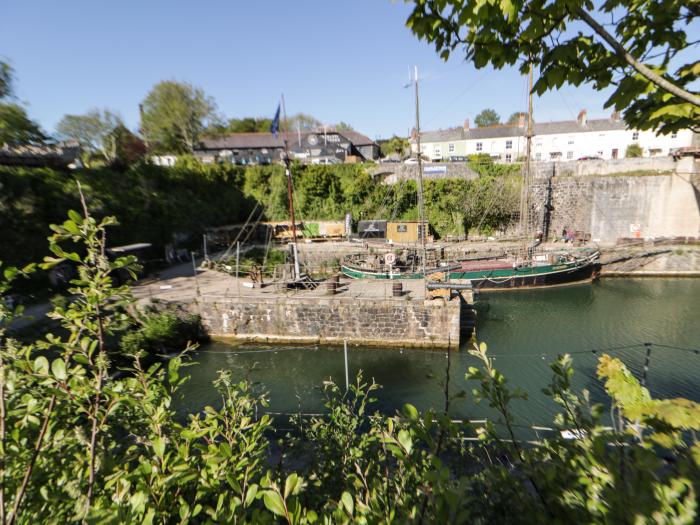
513	130
267	140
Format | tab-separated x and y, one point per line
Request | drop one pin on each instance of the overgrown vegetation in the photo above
79	444
157	204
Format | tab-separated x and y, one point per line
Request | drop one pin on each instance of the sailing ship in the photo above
524	269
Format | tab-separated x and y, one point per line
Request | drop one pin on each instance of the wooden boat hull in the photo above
521	278
577	270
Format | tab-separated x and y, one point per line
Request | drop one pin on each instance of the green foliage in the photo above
16	128
515	117
174	116
94	131
155	203
395	145
5	79
162	332
487	117
645	57
81	444
634	150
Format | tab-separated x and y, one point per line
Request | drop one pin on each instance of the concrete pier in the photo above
361	312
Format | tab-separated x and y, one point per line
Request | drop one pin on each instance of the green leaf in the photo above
274	502
290	484
41	365
405	441
159	446
348	503
410	412
75	216
58	368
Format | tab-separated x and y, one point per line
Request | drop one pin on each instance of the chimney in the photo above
582	117
521	120
615	117
466	124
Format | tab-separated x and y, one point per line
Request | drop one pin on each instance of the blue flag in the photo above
275	126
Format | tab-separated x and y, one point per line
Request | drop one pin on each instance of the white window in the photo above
509	157
451	148
635	135
674	134
600	152
571	140
479	146
538	144
438	151
538	156
509	145
569	155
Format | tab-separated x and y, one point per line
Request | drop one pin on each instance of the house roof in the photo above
513	130
267	140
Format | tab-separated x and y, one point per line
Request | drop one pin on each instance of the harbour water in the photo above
524	330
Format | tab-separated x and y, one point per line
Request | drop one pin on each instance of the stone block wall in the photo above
368	321
612	207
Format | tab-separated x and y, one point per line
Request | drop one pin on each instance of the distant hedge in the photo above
154	203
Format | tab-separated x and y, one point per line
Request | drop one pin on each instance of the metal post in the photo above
204	245
194	270
238	257
645	372
420	179
347	376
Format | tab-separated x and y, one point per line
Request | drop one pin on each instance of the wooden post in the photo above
347	375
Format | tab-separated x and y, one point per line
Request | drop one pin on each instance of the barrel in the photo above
397	288
331	285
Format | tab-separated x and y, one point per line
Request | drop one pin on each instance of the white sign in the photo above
390	258
432	170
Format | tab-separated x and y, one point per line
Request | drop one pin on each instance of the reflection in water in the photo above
519	328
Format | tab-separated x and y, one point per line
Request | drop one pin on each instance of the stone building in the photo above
313	147
552	141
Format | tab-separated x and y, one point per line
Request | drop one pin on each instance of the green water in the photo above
524	331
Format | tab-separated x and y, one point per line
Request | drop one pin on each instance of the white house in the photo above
564	140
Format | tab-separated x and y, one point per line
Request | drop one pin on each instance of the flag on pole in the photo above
275	126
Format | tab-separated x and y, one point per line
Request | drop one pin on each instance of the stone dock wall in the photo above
370	321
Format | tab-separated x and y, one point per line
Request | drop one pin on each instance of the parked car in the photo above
590	157
325	160
458	158
414	160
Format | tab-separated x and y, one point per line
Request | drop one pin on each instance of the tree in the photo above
487	117
643	52
515	117
395	145
634	150
174	116
93	130
303	122
344	126
5	79
16	128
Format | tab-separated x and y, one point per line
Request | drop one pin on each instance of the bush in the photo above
163	332
634	150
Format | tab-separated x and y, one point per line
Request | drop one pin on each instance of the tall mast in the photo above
525	194
288	172
422	227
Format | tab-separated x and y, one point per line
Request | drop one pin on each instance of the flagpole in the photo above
288	172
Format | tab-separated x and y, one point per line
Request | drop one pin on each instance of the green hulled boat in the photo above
547	269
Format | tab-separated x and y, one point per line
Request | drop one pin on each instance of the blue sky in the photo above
337	60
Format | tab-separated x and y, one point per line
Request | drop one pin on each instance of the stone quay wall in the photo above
367	321
624	206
